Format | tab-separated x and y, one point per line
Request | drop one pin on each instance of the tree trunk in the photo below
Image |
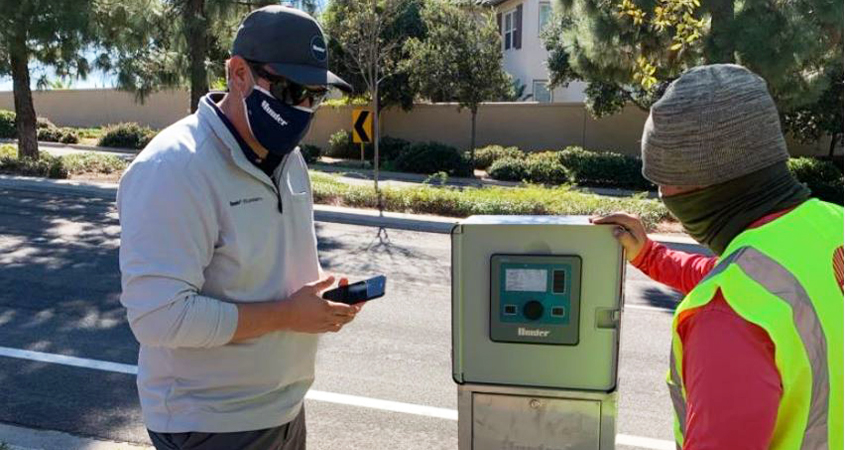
834	139
196	35
376	135
24	108
721	47
375	82
472	141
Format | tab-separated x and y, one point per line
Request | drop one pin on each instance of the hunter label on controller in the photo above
535	298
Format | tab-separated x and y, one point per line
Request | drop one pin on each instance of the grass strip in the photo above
88	163
463	202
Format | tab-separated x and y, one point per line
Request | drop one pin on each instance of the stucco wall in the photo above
527	125
94	107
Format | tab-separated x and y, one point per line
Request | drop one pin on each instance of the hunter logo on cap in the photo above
318	48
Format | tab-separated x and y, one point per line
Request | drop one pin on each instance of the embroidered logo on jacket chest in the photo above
245	201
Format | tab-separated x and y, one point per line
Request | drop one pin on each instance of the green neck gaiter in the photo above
716	214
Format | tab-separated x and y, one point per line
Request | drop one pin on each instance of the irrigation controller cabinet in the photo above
536	309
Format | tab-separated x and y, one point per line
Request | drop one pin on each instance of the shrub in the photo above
8	151
49	134
54	134
44	123
69	136
509	169
542	168
433	157
44	129
546	168
822	177
389	148
311	153
341	146
126	135
45	166
7	124
486	156
603	169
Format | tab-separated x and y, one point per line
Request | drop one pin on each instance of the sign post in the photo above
362	129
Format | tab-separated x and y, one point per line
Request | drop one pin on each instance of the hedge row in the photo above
822	177
575	165
45	130
572	165
126	135
399	154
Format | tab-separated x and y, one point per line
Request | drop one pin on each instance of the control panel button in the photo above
510	310
533	310
558	311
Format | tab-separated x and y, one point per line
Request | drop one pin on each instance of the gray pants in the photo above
290	436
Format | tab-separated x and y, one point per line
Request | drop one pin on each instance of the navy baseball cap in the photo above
290	42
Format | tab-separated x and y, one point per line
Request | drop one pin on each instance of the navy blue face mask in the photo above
278	127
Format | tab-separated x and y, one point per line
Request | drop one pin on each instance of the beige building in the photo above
521	23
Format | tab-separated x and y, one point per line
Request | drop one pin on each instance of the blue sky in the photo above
94	80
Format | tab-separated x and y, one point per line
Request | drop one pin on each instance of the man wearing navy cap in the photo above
218	256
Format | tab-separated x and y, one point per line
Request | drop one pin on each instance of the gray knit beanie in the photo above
714	124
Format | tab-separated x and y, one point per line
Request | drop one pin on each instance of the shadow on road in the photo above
61	288
361	251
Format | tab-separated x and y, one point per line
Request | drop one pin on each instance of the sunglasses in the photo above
289	92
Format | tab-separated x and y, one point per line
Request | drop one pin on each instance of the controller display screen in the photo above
526	280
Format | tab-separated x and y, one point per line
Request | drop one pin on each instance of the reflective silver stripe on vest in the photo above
780	282
675	393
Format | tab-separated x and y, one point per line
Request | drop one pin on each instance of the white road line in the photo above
385	405
69	361
321	396
644	442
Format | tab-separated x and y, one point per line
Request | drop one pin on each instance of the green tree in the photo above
460	59
53	33
629	50
366	37
821	118
174	43
395	88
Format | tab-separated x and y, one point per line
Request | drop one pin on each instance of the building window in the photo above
545	15
510	22
541	91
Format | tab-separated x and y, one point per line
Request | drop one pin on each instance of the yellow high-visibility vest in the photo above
781	277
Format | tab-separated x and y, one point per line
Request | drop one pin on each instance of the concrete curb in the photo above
20	438
92	148
322	213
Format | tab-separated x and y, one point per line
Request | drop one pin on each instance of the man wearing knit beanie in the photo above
757	343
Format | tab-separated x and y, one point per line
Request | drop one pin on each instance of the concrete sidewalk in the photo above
20	438
322	213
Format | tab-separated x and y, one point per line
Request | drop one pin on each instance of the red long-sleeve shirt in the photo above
733	386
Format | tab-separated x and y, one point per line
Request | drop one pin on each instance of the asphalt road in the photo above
59	294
